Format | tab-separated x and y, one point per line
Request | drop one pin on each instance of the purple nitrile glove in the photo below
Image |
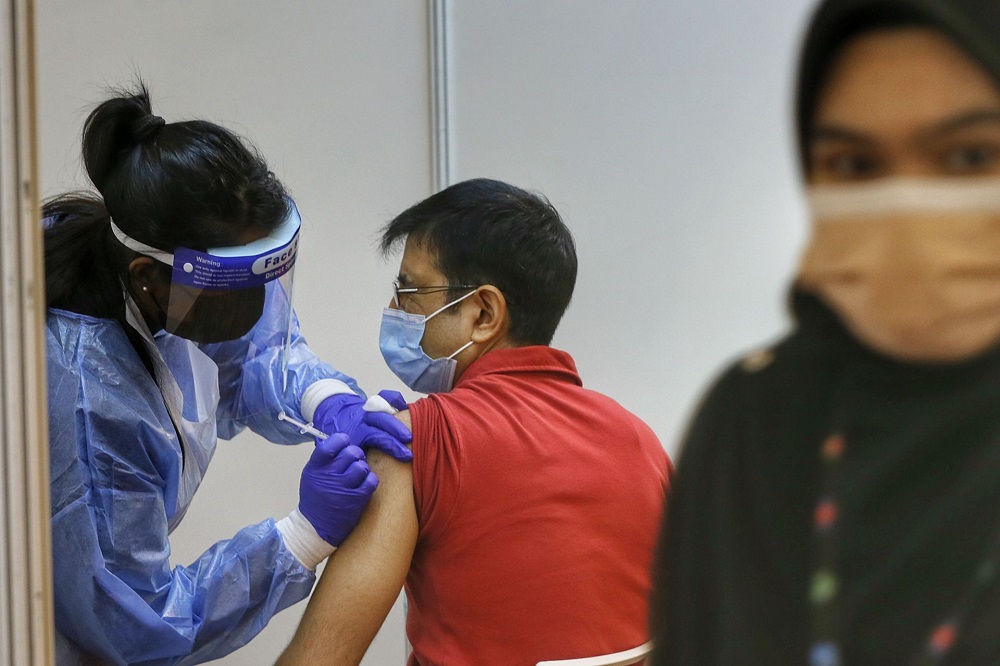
345	413
395	399
335	488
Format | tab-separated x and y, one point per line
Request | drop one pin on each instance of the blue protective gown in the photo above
121	481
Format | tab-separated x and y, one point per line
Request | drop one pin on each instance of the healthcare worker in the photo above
169	325
838	495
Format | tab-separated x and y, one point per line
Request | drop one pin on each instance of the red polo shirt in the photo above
539	503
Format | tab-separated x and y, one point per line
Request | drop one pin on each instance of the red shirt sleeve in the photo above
436	466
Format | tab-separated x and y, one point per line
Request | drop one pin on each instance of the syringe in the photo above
303	427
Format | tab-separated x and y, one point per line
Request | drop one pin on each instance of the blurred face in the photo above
904	175
905	103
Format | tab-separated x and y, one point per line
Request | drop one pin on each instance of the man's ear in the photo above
493	320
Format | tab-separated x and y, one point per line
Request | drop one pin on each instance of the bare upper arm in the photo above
363	577
404	416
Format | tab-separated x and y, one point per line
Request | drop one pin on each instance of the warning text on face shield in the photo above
204	271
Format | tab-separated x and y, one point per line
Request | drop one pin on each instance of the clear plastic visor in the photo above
221	293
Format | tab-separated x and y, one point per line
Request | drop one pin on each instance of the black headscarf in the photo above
973	24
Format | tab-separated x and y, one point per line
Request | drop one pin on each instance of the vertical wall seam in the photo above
440	93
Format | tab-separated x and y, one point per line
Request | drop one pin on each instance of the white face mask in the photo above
911	266
399	340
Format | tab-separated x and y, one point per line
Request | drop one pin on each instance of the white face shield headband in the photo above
220	294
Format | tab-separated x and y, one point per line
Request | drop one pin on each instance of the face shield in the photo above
220	294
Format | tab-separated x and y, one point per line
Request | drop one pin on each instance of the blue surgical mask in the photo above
399	340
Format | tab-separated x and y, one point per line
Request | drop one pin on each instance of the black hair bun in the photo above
146	126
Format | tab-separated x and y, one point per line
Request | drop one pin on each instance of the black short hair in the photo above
485	231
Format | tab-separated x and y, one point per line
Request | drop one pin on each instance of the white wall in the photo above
659	128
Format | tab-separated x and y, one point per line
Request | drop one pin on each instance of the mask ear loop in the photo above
448	305
460	350
445	307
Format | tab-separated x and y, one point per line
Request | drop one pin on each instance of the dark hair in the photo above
972	24
487	232
187	184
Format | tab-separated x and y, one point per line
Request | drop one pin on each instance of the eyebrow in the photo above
954	124
963	121
839	133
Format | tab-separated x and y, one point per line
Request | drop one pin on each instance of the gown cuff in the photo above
320	391
303	541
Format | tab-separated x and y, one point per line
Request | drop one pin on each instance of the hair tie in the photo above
143	128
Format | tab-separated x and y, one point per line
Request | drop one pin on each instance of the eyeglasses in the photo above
398	291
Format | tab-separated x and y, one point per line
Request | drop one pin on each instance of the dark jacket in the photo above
919	504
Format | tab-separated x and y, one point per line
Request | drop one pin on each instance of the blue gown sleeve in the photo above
113	466
252	383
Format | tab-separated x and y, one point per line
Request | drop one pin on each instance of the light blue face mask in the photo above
399	339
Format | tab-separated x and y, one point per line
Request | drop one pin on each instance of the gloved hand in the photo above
335	488
345	413
394	399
